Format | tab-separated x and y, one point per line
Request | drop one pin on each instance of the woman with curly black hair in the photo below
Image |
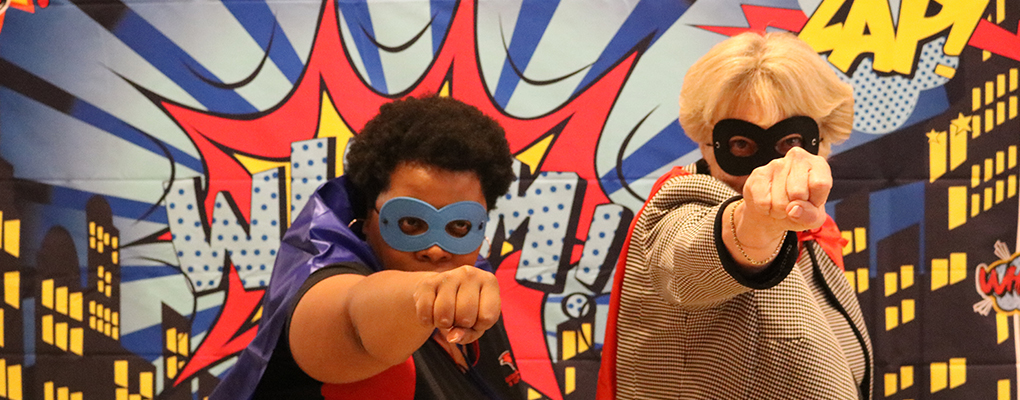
378	289
438	131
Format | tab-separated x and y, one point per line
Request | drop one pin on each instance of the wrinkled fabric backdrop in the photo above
153	152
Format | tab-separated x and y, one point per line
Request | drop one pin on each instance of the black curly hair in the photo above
431	131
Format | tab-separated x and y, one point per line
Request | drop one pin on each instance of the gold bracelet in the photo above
733	229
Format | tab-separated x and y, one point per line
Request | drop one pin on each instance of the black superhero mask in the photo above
741	146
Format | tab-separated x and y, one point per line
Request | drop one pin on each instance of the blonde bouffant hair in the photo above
776	73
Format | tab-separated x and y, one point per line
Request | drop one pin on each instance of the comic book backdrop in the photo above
153	153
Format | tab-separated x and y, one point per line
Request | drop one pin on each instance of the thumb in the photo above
462	335
805	215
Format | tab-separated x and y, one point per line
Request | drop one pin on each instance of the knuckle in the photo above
426	285
821	183
470	272
443	321
486	321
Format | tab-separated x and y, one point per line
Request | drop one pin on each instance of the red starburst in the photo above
993	38
23	5
760	17
232	331
267	135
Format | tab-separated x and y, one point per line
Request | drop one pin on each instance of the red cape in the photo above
827	236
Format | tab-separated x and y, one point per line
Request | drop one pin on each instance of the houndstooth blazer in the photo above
690	325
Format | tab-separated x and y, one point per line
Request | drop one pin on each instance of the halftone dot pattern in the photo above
550	200
254	257
546	206
576	304
883	103
311	165
199	262
568	310
202	257
605	222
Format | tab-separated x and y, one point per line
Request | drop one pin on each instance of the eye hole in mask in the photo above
413	226
741	146
458	228
785	144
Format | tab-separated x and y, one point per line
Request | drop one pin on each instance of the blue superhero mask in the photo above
409	224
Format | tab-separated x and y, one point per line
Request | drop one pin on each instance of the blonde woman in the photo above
731	283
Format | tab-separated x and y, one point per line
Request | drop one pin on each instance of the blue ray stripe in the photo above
532	21
649	17
442	13
92	115
36	88
204	319
132	273
256	17
120	207
146	343
667	145
601	299
359	22
168	58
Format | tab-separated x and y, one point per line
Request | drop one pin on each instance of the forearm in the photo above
349	327
691	264
683	258
382	312
753	244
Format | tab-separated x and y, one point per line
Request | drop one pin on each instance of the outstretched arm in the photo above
350	327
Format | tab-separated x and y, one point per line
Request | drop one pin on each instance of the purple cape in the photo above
320	236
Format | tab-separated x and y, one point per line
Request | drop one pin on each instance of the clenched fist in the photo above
462	303
789	193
